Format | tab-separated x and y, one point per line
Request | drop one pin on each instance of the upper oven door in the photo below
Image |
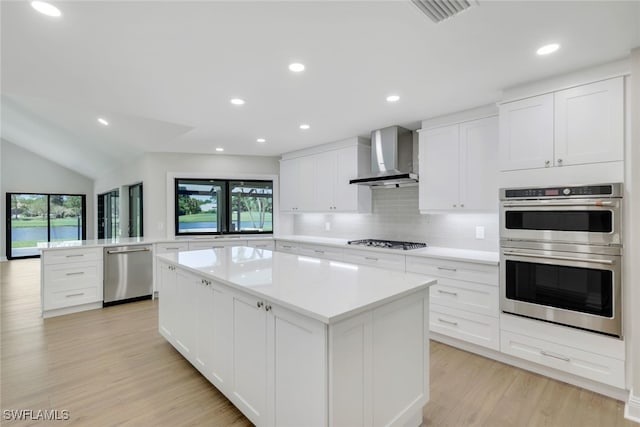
585	221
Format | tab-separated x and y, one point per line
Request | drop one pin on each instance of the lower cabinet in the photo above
464	302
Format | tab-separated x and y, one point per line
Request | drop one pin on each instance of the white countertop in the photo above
322	289
466	255
120	241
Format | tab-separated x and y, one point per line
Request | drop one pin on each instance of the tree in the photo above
188	205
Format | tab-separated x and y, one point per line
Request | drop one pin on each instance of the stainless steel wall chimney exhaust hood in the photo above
391	159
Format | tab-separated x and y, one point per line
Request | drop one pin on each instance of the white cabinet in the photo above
184	316
262	244
458	166
163	248
249	386
215	244
464	302
71	280
589	123
167	282
318	181
375	259
585	354
581	125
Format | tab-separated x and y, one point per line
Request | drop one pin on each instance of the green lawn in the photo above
204	217
42	222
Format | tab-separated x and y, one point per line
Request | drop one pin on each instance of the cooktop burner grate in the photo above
388	244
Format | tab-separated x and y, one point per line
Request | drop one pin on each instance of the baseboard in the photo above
3	259
632	408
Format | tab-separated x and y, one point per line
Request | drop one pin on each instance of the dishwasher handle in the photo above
128	251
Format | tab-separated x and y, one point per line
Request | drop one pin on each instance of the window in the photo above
108	215
216	206
41	218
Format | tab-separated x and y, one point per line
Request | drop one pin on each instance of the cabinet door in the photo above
249	357
306	195
298	348
590	123
220	333
439	168
166	309
345	194
289	172
479	164
203	323
526	133
185	313
325	180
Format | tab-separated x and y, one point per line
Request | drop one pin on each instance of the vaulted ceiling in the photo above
163	73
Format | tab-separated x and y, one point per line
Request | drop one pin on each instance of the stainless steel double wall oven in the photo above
561	255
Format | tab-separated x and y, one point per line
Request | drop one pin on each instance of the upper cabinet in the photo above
318	181
458	166
581	125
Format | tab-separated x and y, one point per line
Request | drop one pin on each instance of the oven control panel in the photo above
603	190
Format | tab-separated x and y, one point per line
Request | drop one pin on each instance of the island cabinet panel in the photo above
218	332
378	366
166	277
185	315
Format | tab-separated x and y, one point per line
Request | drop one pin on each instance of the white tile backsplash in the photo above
395	216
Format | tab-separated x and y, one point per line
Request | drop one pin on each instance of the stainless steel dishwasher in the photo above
128	273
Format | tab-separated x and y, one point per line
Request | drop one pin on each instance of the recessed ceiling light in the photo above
46	8
103	121
393	98
547	49
237	101
296	67
219	149
261	140
304	126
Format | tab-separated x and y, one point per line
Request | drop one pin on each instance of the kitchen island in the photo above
294	340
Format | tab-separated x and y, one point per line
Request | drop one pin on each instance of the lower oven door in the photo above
569	288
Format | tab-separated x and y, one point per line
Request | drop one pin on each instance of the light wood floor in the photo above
110	367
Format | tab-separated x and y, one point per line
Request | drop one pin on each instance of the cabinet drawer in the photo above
287	247
262	244
72	275
325	252
70	297
212	244
474	297
383	260
465	326
596	367
467	271
72	255
163	248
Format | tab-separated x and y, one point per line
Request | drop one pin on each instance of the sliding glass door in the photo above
108	215
41	218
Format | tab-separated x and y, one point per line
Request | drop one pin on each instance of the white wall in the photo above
395	216
24	171
632	242
152	170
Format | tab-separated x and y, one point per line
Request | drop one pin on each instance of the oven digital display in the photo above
551	192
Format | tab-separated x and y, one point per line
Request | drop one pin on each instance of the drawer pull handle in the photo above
287	247
448	269
555	356
217	247
74	256
75	295
448	322
172	249
76	273
455	294
318	252
371	258
260	246
128	251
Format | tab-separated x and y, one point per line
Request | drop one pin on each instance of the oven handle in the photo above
542	203
562	258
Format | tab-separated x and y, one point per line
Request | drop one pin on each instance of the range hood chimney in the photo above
391	159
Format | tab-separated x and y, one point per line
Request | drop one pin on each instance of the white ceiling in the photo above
163	72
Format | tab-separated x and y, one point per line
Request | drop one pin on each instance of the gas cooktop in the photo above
388	244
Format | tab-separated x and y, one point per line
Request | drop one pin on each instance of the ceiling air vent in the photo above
439	10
